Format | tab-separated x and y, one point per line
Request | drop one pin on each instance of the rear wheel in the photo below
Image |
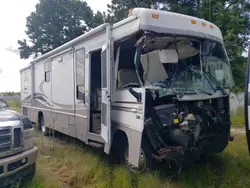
42	127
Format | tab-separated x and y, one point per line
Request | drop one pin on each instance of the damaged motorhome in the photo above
154	86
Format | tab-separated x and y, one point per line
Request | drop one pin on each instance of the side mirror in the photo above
135	94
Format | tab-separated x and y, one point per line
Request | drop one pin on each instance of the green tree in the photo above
118	9
56	22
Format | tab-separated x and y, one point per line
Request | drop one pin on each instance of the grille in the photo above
5	140
17	137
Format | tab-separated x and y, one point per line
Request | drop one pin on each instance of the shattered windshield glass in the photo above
185	65
216	63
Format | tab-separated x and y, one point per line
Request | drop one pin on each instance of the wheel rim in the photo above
43	128
142	162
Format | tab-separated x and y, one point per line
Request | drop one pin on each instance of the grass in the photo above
238	118
15	105
228	169
73	165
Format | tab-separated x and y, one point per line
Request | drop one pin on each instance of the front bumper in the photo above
17	163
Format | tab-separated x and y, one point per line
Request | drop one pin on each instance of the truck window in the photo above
124	53
126	75
80	59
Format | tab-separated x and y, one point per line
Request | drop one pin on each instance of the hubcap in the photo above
142	162
43	128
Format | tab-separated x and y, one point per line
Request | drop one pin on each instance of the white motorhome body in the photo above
74	88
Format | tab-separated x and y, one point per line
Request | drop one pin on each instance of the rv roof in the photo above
174	23
156	21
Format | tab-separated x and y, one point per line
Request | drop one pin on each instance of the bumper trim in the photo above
31	156
27	172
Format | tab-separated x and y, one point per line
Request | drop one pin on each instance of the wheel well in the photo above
119	138
40	115
119	144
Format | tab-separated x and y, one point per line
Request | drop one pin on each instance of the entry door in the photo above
106	91
247	102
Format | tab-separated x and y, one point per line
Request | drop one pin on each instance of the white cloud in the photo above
100	5
13	15
10	65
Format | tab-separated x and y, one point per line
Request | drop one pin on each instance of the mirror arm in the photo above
137	95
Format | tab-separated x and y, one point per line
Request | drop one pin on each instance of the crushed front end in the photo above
182	131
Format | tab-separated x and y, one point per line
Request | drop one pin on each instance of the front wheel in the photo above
145	158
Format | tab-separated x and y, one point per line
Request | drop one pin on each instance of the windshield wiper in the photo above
216	83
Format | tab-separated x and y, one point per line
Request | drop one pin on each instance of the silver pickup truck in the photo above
18	153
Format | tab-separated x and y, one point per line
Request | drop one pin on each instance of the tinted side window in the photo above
80	62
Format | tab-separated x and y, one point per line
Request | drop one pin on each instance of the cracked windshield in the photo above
185	65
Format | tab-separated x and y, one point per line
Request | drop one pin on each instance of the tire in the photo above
42	127
145	160
32	172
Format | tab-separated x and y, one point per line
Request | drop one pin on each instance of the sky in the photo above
13	15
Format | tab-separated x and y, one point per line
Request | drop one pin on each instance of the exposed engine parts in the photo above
178	125
179	129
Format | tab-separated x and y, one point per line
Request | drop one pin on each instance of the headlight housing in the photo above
28	133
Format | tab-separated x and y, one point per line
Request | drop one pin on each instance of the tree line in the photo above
11	93
55	22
